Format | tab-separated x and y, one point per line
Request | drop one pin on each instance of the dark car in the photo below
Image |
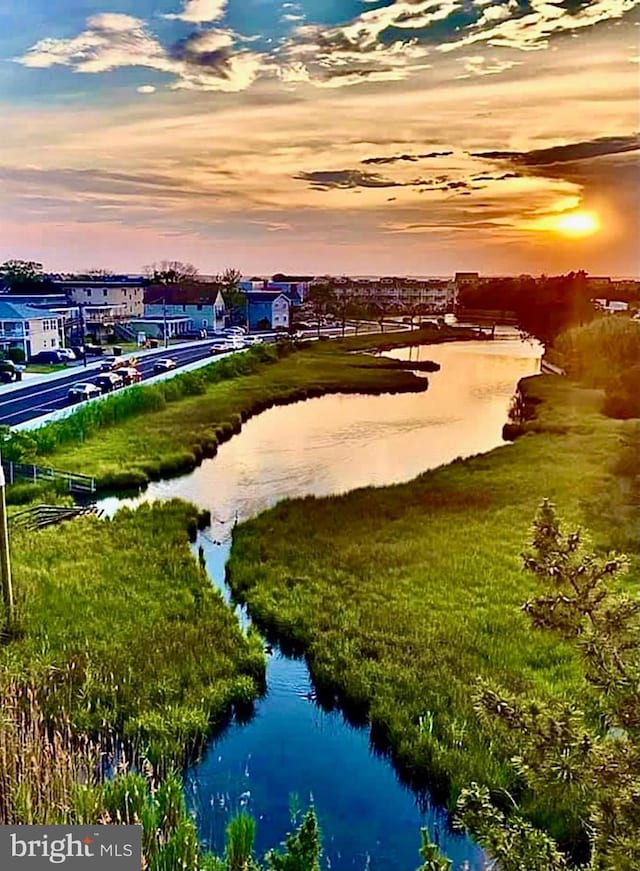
166	364
83	390
48	357
108	381
9	372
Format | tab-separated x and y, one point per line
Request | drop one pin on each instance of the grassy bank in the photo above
120	631
401	597
152	432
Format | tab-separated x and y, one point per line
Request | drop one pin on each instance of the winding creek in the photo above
291	747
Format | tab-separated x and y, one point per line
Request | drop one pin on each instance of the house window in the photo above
199	307
104	292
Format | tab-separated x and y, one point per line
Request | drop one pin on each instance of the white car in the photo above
67	353
83	390
253	340
166	364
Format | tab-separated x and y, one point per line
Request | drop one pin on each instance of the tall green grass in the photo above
122	634
402	597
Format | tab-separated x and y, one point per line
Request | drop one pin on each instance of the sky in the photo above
406	137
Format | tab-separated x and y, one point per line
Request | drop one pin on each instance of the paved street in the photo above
40	398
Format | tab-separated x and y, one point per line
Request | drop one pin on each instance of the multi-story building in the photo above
123	292
30	329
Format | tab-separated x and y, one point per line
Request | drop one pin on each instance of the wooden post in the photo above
5	558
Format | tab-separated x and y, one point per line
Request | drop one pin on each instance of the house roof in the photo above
15	312
182	294
265	295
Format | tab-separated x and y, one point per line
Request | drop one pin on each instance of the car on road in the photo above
108	364
83	390
109	381
166	364
130	375
219	348
194	334
253	340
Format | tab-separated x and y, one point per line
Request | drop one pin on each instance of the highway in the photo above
36	399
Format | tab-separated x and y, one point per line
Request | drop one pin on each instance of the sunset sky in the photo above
409	137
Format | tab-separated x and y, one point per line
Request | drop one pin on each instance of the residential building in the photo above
125	292
28	328
202	303
266	310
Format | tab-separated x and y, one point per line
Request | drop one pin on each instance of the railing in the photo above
46	515
28	471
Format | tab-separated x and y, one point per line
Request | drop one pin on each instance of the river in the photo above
291	748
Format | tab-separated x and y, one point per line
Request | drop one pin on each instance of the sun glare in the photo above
577	223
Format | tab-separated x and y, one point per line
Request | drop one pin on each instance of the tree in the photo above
588	760
320	299
234	297
170	272
22	276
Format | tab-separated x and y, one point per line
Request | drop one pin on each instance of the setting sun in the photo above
577	223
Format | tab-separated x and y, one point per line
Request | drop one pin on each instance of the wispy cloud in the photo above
200	11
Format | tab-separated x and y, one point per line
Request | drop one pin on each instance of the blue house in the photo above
267	310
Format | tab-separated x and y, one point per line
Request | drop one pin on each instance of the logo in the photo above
74	848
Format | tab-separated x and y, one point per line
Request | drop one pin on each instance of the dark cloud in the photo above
406	157
196	51
345	179
350	179
574	151
505	175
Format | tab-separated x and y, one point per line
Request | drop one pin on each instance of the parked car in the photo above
68	353
49	357
108	364
78	350
83	390
194	334
130	375
234	331
164	365
9	372
219	348
109	381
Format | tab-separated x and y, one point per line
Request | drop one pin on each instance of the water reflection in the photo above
331	445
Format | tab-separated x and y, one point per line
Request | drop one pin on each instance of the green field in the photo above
403	597
120	631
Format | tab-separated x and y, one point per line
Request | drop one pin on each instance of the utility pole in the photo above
164	316
82	336
5	558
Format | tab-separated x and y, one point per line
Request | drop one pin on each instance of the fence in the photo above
30	472
46	515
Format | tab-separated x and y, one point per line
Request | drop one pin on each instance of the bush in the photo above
16	355
622	394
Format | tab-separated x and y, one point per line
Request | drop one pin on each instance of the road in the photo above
37	399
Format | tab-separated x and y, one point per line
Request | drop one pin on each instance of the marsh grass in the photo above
122	634
402	597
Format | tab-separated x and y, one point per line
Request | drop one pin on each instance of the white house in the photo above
31	329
